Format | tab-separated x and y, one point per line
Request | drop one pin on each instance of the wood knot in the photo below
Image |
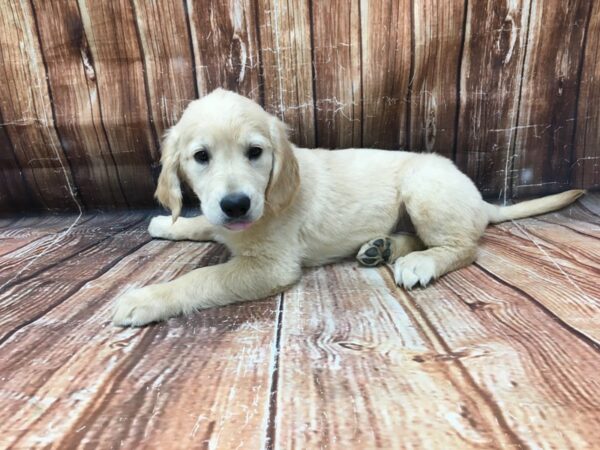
79	43
561	85
479	305
443	357
353	346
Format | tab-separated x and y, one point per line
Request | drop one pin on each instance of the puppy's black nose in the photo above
235	205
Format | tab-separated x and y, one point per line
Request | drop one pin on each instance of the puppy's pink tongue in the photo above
238	226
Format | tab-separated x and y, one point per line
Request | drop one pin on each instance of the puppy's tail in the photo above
497	214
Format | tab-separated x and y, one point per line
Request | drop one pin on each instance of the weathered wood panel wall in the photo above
508	89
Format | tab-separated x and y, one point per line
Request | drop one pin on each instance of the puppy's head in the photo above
234	155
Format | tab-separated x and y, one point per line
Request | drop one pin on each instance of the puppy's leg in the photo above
386	249
184	228
241	278
424	266
447	212
450	233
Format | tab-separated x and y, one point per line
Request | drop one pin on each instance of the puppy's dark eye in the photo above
254	153
201	156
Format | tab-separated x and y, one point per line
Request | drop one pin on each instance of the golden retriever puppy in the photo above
279	208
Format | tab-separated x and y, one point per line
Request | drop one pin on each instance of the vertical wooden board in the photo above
190	382
547	109
26	110
116	58
438	36
386	68
14	194
168	60
224	36
7	206
285	42
336	48
542	377
585	169
350	372
490	79
73	84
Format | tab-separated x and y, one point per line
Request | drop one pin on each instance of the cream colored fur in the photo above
308	207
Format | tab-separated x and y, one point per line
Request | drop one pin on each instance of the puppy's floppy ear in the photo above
168	191
285	175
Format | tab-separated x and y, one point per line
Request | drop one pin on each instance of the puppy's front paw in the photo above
375	252
414	269
160	227
139	307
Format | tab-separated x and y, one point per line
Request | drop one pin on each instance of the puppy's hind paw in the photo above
375	252
414	270
160	227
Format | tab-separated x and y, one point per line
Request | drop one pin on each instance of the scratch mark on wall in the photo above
278	53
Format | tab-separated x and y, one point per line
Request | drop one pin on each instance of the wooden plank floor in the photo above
502	354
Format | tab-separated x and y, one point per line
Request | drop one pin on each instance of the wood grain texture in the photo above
94	382
585	165
122	93
54	248
285	46
18	226
361	384
590	203
34	289
506	89
224	36
337	73
548	104
25	230
536	375
14	192
72	82
386	70
495	43
437	29
565	281
27	117
168	59
579	220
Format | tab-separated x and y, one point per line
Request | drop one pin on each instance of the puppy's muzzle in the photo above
235	205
